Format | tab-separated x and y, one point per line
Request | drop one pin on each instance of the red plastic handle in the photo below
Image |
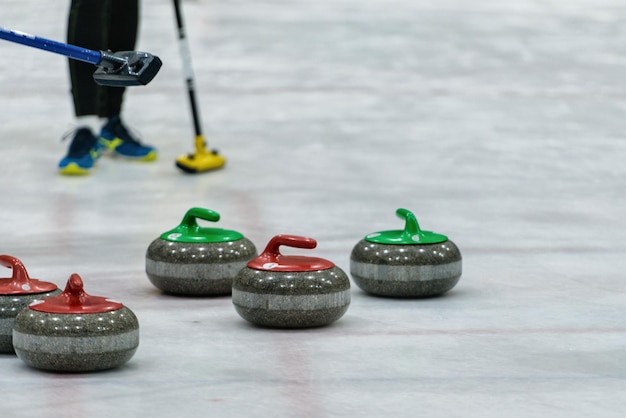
74	291
20	276
272	250
272	260
74	300
20	282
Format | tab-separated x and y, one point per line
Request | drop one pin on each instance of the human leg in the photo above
123	22
84	28
101	25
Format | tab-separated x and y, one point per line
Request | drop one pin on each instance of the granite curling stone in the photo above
75	332
195	260
286	291
406	263
16	293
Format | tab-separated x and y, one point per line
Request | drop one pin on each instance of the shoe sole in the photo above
151	156
110	145
73	169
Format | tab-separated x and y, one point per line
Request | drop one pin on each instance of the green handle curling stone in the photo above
408	263
191	259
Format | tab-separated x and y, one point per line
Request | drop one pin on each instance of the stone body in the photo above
10	306
201	269
75	342
291	299
394	270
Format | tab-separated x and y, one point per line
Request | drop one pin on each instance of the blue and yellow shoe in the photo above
82	154
115	138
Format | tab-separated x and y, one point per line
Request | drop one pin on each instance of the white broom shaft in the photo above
185	53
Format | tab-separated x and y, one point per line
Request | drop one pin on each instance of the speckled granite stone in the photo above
291	299
405	270
76	342
201	269
10	306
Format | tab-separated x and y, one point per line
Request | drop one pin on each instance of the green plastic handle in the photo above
189	231
411	227
199	213
411	234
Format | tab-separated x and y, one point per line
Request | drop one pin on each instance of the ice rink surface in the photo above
498	123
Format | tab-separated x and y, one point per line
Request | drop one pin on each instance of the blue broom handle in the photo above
71	51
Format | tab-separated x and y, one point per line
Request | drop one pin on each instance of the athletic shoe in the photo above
116	138
82	154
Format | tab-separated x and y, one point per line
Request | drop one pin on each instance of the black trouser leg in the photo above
99	25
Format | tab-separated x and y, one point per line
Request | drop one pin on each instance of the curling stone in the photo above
195	260
15	294
405	263
286	291
75	332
